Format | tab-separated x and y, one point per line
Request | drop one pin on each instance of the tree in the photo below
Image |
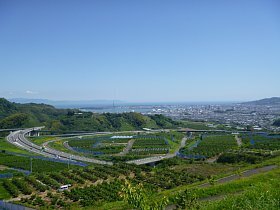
137	196
186	200
212	180
14	121
56	125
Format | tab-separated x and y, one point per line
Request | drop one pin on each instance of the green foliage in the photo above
16	120
4	193
138	197
48	181
5	146
164	122
186	200
22	185
94	195
212	180
37	185
153	144
11	188
6	108
261	142
14	115
195	125
211	145
23	162
261	196
236	157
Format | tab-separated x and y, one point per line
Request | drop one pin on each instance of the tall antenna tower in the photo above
114	107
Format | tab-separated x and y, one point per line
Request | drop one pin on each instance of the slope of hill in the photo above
6	108
265	101
13	115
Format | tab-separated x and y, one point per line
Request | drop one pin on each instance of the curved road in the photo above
159	158
18	139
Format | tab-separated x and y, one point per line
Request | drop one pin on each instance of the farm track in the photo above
238	140
66	145
213	159
242	175
128	147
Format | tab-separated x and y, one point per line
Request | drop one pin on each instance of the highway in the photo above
18	139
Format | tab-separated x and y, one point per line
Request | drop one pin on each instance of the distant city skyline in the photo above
140	51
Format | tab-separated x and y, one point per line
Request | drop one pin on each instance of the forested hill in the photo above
14	115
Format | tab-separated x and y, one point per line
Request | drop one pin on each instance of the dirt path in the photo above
238	140
213	159
228	179
128	147
66	145
218	197
243	174
182	144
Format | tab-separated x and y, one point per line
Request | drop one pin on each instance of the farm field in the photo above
97	185
177	180
23	162
105	147
264	142
209	146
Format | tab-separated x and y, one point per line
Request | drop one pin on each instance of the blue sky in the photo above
140	51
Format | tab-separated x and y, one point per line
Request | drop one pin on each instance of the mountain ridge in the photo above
64	103
15	115
265	101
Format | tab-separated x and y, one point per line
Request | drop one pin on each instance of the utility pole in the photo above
114	108
69	161
31	164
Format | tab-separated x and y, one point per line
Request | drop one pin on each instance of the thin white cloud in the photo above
30	92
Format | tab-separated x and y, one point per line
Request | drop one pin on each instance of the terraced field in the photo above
209	146
266	142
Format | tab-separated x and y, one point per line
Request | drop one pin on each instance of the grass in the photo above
5	145
239	185
41	139
195	125
260	192
58	145
174	145
191	143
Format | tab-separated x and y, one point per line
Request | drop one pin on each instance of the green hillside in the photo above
13	115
